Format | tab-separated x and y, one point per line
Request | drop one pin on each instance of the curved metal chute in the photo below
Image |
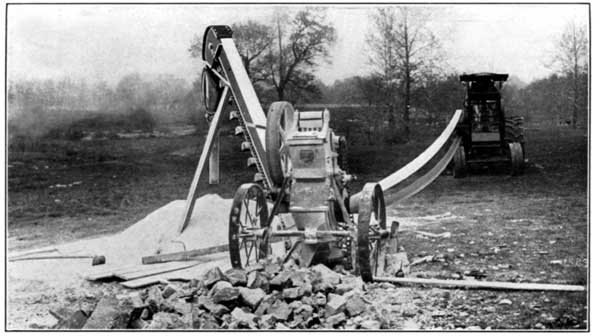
426	179
421	160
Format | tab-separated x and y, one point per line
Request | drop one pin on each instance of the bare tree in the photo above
572	60
405	49
300	42
252	39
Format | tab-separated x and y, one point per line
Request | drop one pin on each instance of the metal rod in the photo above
482	284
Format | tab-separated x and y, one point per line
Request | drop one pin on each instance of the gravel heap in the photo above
264	296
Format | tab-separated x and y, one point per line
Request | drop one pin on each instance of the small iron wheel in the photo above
279	121
249	213
371	218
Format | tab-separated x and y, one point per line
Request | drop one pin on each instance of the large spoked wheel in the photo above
279	121
371	218
517	164
249	213
459	169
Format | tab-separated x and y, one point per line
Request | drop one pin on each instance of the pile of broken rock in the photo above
264	296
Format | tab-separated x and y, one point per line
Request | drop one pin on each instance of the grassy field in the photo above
531	228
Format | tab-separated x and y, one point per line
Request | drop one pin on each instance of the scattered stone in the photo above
258	279
305	311
138	324
196	283
438	313
326	279
272	269
213	276
109	314
267	321
237	277
168	291
344	288
410	325
154	298
336	319
370	324
164	320
293	293
252	296
299	278
335	304
75	321
280	310
320	299
282	279
243	318
267	302
136	300
215	309
207	321
281	326
226	294
146	314
355	305
295	305
254	267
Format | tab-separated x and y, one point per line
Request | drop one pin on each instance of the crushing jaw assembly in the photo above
298	206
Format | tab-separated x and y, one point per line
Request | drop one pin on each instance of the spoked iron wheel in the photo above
371	218
279	121
249	213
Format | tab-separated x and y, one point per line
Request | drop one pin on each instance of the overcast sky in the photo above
106	42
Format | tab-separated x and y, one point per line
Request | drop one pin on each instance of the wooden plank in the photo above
482	284
155	269
108	271
210	138
184	274
416	164
185	255
213	160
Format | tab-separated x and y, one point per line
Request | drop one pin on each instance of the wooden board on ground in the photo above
138	271
108	271
194	272
185	255
148	270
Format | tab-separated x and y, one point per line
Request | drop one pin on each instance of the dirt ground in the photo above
531	228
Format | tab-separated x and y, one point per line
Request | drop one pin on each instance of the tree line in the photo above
409	84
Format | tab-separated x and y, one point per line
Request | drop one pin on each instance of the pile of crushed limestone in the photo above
264	296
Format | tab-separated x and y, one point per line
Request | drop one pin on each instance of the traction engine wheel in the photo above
249	213
371	218
517	165
459	169
279	121
513	129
